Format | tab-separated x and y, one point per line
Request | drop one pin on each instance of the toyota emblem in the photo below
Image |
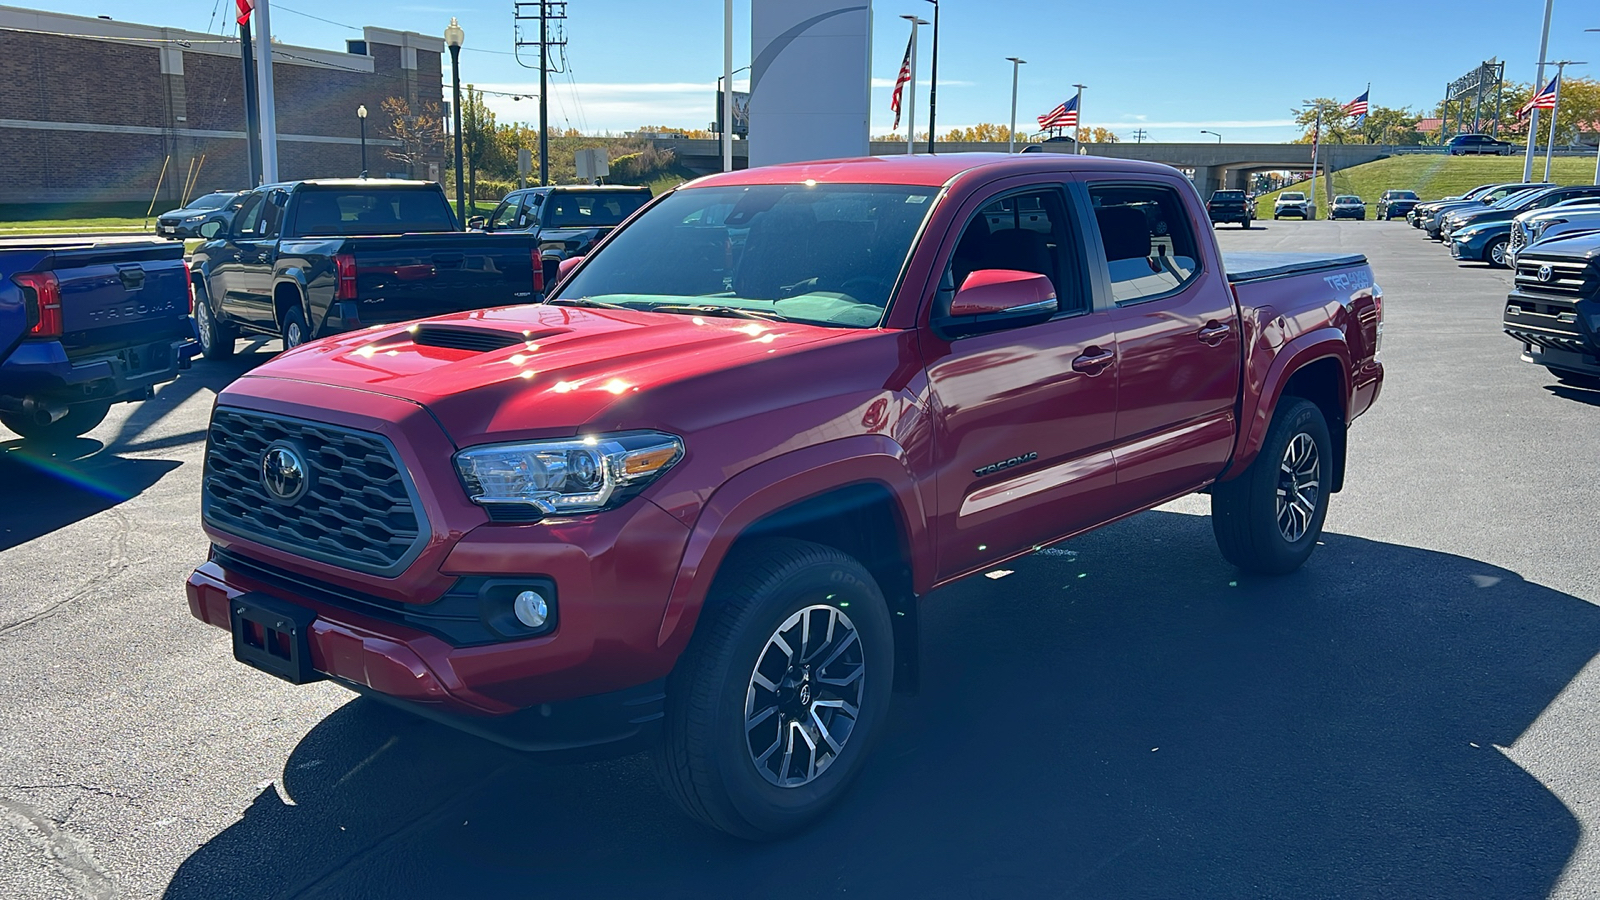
283	473
1546	273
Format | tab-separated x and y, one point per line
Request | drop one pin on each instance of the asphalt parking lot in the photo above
1410	715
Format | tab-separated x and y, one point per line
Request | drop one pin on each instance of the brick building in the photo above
92	109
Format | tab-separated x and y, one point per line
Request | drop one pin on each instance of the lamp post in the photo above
453	37
727	96
1213	134
361	113
1538	82
725	113
911	89
1011	136
1550	144
933	77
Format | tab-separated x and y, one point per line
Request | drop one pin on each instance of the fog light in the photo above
531	609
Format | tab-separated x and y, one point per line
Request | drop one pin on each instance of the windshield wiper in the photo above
586	301
729	312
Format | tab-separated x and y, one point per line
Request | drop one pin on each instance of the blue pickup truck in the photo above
83	326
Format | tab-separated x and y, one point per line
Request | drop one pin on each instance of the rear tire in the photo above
1269	518
1245	224
293	328
722	700
81	418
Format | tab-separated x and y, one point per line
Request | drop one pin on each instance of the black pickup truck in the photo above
566	220
83	326
306	259
1231	206
1554	308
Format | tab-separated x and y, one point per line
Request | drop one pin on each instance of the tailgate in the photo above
116	296
415	276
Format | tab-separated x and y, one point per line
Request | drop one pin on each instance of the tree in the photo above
1336	126
1097	135
984	133
1388	125
420	136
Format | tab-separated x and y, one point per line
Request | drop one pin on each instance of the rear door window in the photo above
1147	245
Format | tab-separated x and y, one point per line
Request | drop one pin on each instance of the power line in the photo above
310	16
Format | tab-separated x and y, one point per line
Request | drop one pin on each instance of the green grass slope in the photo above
1434	175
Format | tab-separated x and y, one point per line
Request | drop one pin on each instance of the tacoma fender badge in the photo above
1005	464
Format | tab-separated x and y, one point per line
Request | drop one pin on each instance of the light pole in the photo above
911	89
361	113
727	96
453	37
1213	134
1550	144
933	77
1011	136
1597	143
1538	82
725	112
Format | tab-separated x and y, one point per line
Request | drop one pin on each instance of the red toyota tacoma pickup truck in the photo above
691	501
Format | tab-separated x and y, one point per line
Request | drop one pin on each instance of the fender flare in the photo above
1323	343
296	276
777	483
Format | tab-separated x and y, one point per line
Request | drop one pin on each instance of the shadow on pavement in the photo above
1590	396
1123	716
44	488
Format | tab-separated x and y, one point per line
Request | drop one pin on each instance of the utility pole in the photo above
1538	85
933	78
269	116
1139	134
549	12
1011	136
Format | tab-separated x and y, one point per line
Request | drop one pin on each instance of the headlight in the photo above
198	218
1539	229
567	476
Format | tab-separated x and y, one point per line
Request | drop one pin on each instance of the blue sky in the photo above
1171	67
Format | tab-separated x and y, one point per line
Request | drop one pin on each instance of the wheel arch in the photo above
1314	366
858	497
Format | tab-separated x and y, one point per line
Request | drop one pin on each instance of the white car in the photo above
1294	203
1561	220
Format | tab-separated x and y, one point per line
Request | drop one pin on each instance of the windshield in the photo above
1402	195
210	201
823	254
1292	195
563	209
372	210
1347	200
1516	199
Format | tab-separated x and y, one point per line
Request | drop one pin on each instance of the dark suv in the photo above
565	220
1231	206
1463	144
1396	203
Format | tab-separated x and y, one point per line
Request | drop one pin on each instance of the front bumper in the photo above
611	572
1350	213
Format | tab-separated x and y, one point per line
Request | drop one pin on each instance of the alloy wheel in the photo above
804	697
1299	487
292	336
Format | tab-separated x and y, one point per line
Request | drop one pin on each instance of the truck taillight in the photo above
344	266
41	295
538	271
188	282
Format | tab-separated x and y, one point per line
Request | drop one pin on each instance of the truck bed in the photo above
1260	266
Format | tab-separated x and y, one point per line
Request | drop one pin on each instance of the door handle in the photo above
1093	360
1215	333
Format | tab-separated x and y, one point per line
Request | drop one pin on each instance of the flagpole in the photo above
1077	133
1011	138
1538	82
252	111
269	117
727	86
910	96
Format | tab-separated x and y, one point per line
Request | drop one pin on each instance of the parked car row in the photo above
1493	222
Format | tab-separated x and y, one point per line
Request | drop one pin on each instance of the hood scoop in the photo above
455	337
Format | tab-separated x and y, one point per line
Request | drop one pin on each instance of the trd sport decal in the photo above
1005	464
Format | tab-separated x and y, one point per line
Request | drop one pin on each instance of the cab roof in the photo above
930	170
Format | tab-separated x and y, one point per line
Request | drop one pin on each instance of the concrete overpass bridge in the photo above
1214	165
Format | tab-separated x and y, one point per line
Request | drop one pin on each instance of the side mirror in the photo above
567	265
210	228
995	300
475	223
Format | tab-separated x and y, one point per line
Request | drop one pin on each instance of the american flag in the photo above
1063	116
245	8
1545	99
899	81
1358	106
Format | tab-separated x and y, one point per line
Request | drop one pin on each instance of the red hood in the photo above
566	367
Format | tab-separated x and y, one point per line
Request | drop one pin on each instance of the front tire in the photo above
794	644
217	340
1268	519
81	418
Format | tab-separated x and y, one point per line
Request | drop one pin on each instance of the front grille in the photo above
1519	238
1567	277
358	511
477	340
